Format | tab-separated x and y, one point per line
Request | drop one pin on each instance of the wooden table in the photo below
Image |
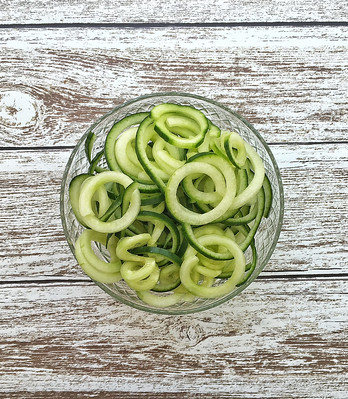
283	65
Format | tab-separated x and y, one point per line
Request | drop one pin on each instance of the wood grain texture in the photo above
282	65
101	394
291	83
279	339
170	11
313	239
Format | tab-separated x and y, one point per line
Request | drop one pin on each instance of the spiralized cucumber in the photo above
174	208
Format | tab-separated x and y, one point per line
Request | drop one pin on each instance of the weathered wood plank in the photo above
290	82
101	394
30	219
279	339
135	11
313	240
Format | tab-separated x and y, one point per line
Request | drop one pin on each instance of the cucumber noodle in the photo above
175	210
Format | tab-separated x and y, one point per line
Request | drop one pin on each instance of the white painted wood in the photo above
285	337
313	239
314	234
279	339
290	82
157	11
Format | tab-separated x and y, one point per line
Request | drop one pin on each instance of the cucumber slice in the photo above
267	188
118	128
85	203
193	122
90	139
213	166
169	278
235	149
153	217
164	253
74	195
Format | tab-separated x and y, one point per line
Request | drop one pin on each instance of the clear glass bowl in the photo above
267	235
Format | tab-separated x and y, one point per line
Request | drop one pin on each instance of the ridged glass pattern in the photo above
267	234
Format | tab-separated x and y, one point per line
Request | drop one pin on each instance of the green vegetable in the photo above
176	210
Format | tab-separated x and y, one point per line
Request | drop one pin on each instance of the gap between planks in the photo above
144	25
71	147
270	276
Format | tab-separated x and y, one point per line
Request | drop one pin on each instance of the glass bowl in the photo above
268	232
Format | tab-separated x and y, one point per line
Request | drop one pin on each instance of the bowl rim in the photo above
216	301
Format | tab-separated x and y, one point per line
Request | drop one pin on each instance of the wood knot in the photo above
187	334
18	109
